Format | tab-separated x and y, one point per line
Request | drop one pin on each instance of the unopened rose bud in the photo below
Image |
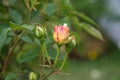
32	76
40	32
61	34
71	43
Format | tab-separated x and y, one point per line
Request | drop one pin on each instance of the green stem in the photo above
29	15
63	63
46	76
57	57
45	51
42	62
11	49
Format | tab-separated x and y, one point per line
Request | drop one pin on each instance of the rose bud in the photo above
71	43
40	32
32	76
61	34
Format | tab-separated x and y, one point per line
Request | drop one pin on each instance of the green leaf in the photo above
28	27
92	31
65	5
75	22
16	26
3	37
52	52
37	42
50	9
16	16
10	76
21	27
35	15
86	18
3	26
8	40
11	2
27	39
28	56
66	20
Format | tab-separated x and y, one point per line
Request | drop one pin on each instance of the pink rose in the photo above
61	34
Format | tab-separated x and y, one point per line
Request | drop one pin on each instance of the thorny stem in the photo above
57	57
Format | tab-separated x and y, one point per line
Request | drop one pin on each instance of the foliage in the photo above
19	46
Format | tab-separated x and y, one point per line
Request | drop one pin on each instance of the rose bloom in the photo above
61	33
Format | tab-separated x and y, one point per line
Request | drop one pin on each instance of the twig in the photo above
48	75
42	68
47	66
9	54
11	49
57	56
53	71
29	15
61	73
45	51
63	63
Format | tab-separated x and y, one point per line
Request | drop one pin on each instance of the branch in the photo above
9	54
48	75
